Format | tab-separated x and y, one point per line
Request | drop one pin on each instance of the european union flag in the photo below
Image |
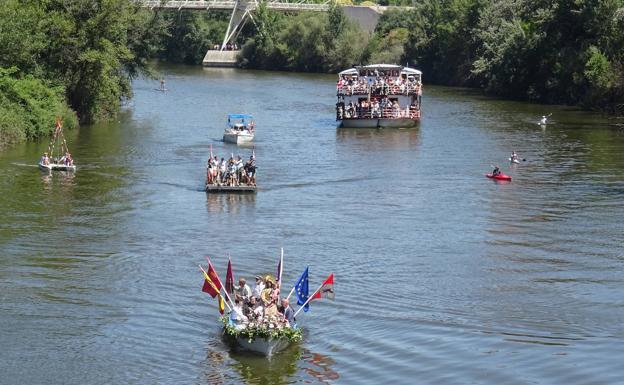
301	288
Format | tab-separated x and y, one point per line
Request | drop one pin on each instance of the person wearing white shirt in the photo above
259	287
236	315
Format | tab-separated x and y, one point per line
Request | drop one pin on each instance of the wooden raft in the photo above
213	188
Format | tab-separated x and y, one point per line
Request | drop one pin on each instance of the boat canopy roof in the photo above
239	116
386	67
350	71
411	71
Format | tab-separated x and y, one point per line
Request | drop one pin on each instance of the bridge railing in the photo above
230	4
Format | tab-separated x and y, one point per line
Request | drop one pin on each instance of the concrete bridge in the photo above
231	4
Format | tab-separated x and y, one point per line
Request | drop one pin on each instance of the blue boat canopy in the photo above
239	116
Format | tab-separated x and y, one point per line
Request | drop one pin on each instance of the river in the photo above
442	276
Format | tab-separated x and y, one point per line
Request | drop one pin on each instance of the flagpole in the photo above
279	286
219	279
292	291
226	304
306	302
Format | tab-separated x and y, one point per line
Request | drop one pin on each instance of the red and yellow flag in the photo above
211	287
212	284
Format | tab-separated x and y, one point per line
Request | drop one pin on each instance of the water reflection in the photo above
388	138
257	369
228	203
319	367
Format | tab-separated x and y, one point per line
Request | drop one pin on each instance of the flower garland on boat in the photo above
265	328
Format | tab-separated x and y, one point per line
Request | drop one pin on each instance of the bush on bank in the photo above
29	107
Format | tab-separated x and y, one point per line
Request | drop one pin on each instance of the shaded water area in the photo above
442	276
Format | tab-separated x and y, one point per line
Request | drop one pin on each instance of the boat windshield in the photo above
240	121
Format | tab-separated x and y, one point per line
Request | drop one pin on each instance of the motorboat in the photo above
239	129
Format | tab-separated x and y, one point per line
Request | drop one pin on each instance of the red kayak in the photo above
500	176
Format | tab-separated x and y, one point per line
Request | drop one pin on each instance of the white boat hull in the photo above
266	347
56	167
378	123
237	138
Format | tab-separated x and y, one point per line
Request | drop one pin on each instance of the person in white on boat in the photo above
243	290
258	287
45	160
544	120
514	156
236	315
254	308
222	170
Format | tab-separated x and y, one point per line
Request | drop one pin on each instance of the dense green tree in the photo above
90	50
189	34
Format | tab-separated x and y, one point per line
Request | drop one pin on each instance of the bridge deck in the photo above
230	4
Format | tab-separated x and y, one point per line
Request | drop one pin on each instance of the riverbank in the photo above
71	61
518	50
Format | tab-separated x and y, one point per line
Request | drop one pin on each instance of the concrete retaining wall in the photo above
215	58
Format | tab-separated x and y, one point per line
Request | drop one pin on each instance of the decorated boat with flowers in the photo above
57	157
266	338
261	320
379	95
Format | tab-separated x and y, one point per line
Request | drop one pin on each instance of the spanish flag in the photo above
210	287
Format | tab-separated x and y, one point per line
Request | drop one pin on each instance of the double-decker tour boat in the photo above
379	95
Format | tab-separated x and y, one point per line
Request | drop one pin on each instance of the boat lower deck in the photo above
243	188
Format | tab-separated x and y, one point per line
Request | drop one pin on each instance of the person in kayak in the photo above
496	171
544	120
514	156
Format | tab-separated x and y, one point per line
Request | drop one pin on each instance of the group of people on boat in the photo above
64	160
261	305
378	85
231	172
242	126
380	107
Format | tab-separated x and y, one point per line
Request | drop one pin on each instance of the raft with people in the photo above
262	320
57	157
231	175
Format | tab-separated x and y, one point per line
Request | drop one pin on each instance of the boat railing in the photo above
360	89
380	113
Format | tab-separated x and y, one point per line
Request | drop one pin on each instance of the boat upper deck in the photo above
379	79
